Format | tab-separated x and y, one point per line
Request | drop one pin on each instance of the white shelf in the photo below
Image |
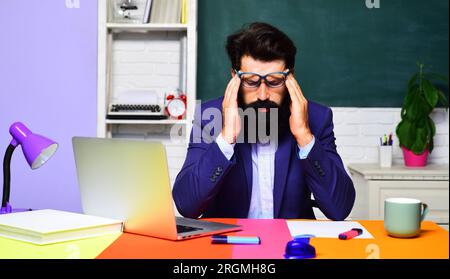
401	172
161	122
186	34
129	27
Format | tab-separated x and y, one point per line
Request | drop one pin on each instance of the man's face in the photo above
263	98
263	92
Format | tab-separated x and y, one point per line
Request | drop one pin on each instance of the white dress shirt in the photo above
263	173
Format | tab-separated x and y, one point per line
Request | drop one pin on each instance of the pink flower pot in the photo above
414	160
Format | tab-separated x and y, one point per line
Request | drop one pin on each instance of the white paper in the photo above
325	229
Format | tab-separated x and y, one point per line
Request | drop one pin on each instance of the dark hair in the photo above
263	42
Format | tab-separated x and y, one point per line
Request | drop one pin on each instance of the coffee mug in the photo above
403	216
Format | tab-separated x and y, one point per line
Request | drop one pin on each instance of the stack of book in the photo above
51	226
165	11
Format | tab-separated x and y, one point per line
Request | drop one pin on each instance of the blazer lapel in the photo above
282	159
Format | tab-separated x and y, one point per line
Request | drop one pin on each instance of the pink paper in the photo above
274	235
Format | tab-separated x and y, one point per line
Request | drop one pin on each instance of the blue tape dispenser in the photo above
299	248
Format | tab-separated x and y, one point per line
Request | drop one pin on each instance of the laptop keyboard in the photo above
183	229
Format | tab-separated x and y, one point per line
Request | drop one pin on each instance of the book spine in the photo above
183	11
154	12
148	7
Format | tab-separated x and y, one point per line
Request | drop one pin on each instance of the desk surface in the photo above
433	243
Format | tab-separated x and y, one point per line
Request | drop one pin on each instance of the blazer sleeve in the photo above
201	176
326	176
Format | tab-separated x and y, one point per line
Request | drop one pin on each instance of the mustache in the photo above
266	104
284	106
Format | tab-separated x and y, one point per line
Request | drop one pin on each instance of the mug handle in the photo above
424	211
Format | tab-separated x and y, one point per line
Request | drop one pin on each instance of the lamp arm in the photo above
7	174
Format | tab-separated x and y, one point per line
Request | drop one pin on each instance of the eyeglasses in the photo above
253	80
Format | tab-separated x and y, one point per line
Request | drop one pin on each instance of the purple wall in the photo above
48	77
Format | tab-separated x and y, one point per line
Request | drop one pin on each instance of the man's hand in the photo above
298	121
231	121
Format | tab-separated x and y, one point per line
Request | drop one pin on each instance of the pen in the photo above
350	234
390	139
225	239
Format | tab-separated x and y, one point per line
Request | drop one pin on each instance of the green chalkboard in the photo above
348	55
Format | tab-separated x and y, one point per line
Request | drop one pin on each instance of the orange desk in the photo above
433	243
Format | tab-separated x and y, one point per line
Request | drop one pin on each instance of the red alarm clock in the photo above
176	105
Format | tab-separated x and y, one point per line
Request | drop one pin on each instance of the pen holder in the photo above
385	153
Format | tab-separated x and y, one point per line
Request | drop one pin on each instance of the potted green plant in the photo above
416	129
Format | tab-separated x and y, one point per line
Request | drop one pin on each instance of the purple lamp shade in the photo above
36	148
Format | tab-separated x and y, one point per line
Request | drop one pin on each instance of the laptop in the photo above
129	180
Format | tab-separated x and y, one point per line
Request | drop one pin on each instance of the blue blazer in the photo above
211	185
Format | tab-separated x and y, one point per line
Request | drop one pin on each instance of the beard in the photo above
265	120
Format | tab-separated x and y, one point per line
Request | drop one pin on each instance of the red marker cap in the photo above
350	234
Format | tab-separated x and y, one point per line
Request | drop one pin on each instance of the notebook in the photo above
51	226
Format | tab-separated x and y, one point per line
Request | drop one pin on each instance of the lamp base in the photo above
8	209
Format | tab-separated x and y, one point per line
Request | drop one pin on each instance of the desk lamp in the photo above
36	149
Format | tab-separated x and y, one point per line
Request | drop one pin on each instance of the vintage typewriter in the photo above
136	106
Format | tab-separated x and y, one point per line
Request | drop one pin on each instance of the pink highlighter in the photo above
350	234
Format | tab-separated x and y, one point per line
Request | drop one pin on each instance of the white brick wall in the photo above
146	62
357	132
